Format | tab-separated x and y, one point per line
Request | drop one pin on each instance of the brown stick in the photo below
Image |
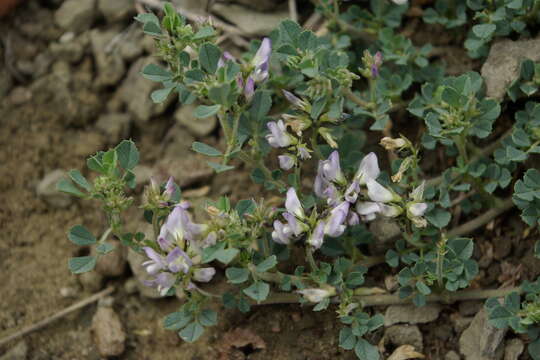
57	316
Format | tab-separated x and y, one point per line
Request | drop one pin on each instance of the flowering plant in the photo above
303	103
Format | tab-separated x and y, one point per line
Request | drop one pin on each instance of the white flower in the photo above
377	192
368	169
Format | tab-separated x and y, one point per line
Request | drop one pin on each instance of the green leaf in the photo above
104	248
177	320
500	317
208	317
289	31
209	55
81	236
258	291
347	340
534	349
484	31
257	175
191	332
260	105
79	265
267	264
237	275
439	218
461	247
160	95
156	73
207	150
226	256
151	28
366	351
219	168
66	186
246	206
128	155
204	111
80	180
423	288
204	32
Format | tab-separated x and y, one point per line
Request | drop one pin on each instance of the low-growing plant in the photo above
296	110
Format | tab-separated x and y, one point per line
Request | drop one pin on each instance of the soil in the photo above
42	131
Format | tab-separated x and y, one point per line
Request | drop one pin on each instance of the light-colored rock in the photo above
143	174
115	126
385	231
116	10
481	341
91	281
249	21
131	46
135	261
260	5
404	335
452	355
19	95
110	65
114	262
411	314
71	51
514	348
18	352
187	169
76	15
46	189
109	336
197	127
503	63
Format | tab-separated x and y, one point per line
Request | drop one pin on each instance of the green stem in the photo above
105	235
311	259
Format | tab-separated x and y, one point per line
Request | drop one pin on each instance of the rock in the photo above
91	281
470	307
481	341
110	66
385	231
18	352
443	331
135	93
460	323
452	355
108	334
513	349
411	314
135	261
114	262
248	21
115	126
130	286
46	189
71	51
116	10
503	63
143	174
6	82
404	335
260	5
131	46
199	171
19	95
197	127
76	15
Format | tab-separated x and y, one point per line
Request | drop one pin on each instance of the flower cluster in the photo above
347	203
177	254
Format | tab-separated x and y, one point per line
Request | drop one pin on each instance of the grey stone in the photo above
18	352
460	323
116	10
259	5
452	355
130	286
115	126
197	127
110	65
186	168
135	261
411	314
91	281
109	336
248	21
503	63
481	341
404	335
470	307
385	231
76	15
71	51
131	46
514	348
46	189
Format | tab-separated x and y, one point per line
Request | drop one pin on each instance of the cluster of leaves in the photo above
528	81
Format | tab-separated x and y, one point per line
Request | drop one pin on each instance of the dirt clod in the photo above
109	335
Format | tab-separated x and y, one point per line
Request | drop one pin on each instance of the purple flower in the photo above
178	260
353	219
334	224
163	282
351	194
204	274
331	169
224	58
261	61
303	152
293	205
180	225
169	189
278	136
296	227
156	262
249	90
377	62
368	169
377	192
286	162
332	195
367	210
320	183
294	100
317	235
282	233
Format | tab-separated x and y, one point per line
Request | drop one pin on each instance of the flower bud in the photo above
317	295
286	162
327	136
392	144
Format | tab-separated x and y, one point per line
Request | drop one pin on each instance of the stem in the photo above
105	235
311	259
313	140
357	100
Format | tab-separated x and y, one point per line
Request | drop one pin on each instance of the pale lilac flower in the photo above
296	227
180	225
303	152
353	218
224	58
169	189
320	183
249	90
261	61
294	100
377	62
210	240
367	210
286	162
156	262
178	260
332	170
335	222
317	235
163	282
351	194
417	209
315	295
282	233
368	169
377	192
293	205
332	195
204	274
278	137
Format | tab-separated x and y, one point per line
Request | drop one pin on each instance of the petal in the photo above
286	162
418	209
204	274
377	192
368	169
317	235
293	205
367	208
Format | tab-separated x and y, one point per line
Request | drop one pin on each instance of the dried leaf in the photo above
405	352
